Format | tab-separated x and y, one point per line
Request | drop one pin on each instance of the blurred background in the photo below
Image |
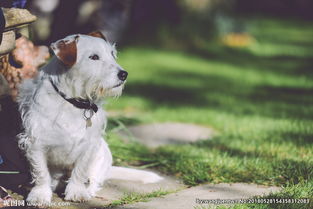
128	21
218	54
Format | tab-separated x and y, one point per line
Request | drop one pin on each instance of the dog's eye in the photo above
94	57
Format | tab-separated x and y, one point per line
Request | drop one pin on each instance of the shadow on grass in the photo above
216	144
219	93
277	64
298	139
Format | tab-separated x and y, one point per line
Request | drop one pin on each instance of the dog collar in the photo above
77	102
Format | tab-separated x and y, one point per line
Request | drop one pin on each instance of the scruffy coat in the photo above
57	140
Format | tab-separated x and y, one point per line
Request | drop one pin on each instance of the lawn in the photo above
258	99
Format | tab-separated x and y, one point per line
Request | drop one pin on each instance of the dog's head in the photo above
90	65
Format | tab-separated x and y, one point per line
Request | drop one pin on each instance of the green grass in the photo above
258	99
134	197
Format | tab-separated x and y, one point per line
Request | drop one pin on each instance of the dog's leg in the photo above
99	169
41	192
86	174
76	189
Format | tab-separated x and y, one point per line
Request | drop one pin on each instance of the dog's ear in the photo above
66	50
97	34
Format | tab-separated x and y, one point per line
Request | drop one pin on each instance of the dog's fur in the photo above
56	140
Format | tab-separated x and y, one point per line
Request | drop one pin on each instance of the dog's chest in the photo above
65	124
71	124
73	140
64	134
65	155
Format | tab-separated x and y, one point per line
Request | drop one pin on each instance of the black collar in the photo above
77	102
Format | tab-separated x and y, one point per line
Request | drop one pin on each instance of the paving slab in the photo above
190	198
115	190
157	134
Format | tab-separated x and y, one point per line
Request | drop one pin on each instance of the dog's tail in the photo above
131	174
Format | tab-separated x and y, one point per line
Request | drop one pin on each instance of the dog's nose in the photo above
122	75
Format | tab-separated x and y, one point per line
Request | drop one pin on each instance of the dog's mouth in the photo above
118	85
110	91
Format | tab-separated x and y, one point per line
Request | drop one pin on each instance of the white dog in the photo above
63	119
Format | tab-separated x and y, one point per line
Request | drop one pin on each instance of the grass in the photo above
258	99
134	197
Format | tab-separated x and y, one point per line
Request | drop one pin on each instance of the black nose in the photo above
122	75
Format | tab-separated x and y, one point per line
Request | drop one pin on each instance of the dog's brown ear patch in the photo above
97	34
66	51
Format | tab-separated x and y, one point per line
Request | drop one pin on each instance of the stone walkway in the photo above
179	197
157	134
192	197
116	189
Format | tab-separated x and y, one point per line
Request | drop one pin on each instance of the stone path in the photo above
115	190
180	196
190	198
157	134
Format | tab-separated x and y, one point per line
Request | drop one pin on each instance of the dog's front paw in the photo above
93	188
76	193
40	195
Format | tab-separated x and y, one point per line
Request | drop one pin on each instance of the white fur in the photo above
56	140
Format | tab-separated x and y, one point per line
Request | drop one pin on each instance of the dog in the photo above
63	120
